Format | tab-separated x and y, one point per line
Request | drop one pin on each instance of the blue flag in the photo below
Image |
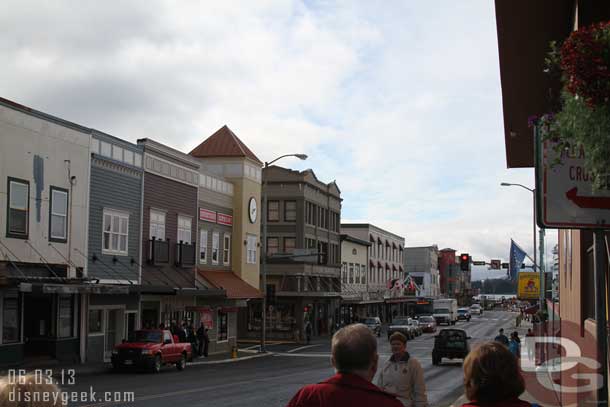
517	255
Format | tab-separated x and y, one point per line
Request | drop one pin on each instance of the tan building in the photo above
354	278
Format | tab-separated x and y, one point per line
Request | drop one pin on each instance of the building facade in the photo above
354	279
421	263
44	192
303	254
387	294
114	242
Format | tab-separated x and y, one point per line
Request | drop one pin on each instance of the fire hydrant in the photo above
234	352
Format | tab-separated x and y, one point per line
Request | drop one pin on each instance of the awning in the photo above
379	265
387	244
393	245
387	266
394	268
371	238
400	248
400	269
372	263
236	287
379	241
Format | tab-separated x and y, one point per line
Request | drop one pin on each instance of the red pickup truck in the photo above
151	349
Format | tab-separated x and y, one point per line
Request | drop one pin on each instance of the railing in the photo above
158	251
185	254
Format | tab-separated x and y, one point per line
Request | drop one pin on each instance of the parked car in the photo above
427	323
374	324
402	325
450	343
476	309
151	349
463	314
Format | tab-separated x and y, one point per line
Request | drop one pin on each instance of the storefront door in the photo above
113	334
38	325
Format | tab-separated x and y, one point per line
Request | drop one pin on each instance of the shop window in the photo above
18	208
95	321
273	211
10	318
116	232
223	326
290	211
58	208
65	316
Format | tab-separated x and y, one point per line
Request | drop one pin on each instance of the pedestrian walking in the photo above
530	344
308	331
492	377
503	339
354	358
403	375
514	345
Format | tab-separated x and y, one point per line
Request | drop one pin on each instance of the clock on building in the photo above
252	210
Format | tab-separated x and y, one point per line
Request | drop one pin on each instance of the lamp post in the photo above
264	247
540	269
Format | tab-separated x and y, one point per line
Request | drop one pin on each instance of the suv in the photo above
463	314
450	343
374	324
402	325
476	309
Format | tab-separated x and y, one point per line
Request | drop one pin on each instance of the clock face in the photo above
252	210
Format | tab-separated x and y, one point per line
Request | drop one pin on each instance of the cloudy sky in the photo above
400	104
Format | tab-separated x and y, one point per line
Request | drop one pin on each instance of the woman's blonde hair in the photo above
29	391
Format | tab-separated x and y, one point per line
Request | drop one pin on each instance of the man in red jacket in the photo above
355	358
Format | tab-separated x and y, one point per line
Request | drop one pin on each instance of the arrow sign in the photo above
588	202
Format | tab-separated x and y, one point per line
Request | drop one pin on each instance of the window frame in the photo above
226	249
202	233
277	246
52	238
294	239
12	295
9	233
150	222
251	241
181	229
215	247
121	215
72	332
269	218
286	211
219	333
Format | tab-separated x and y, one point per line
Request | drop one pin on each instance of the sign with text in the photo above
495	264
207	215
224	219
529	285
564	190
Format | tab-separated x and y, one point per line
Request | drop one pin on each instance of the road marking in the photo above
251	347
303	347
217	362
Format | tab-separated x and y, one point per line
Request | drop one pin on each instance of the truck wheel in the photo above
157	364
182	363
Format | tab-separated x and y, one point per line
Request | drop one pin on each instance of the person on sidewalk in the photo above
204	340
355	358
403	375
492	377
502	338
514	345
308	331
530	345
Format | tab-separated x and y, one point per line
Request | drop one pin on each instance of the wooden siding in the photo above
119	191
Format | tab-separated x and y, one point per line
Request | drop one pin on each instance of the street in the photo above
272	380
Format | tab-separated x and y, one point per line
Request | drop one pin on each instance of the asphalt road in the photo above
271	381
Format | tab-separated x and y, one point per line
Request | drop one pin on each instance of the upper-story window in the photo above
273	245
251	249
351	273
58	208
226	249
157	224
290	211
203	246
273	211
215	247
18	208
116	232
184	229
289	244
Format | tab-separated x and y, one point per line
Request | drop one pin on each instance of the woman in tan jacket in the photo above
403	375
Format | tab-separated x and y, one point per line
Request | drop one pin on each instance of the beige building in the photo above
354	278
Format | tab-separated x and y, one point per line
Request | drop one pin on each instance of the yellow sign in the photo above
529	285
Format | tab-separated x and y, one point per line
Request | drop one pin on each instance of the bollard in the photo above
234	352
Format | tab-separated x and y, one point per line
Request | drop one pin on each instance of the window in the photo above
215	244
117	153
273	245
157	224
138	160
357	273
351	273
95	146
251	248
290	211
65	316
223	326
95	321
184	229
10	318
116	232
18	208
289	244
362	274
106	148
344	273
273	211
58	215
226	249
203	246
372	276
128	157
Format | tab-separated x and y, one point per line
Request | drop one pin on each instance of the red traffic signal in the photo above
305	309
464	262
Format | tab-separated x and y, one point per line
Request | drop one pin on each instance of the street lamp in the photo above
264	247
540	269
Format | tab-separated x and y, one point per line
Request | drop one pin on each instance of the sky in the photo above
398	102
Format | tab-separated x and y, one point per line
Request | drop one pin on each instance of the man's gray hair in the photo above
353	348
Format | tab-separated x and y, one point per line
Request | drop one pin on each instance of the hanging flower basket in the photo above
583	61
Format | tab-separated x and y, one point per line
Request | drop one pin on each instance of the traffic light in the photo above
306	309
464	262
